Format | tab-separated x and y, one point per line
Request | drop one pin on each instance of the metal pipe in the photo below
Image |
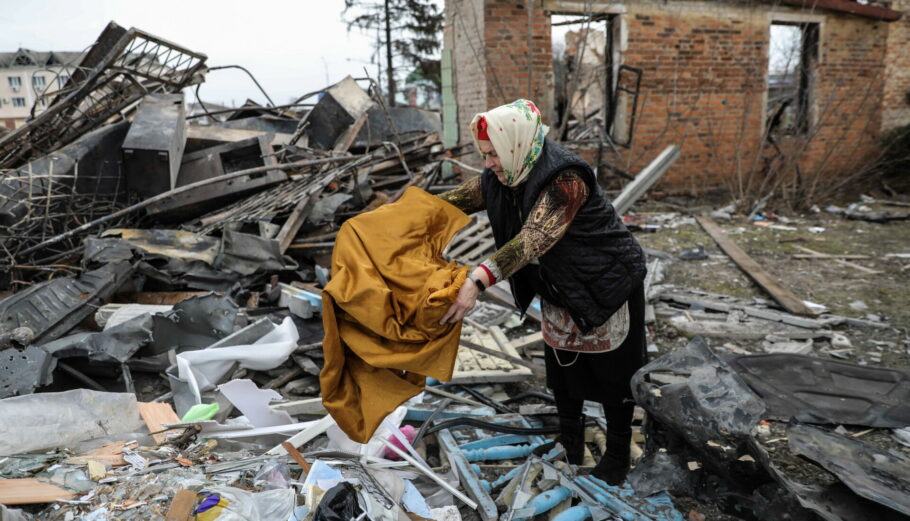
432	475
79	375
248	73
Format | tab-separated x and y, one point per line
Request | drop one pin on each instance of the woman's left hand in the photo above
467	298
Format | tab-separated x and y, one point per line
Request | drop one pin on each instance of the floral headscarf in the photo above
517	134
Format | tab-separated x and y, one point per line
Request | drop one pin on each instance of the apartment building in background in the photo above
27	77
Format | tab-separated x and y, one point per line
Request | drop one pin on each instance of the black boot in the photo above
571	428
614	465
571	437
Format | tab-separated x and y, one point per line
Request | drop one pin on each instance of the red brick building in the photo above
706	84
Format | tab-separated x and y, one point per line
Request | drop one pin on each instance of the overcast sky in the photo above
292	47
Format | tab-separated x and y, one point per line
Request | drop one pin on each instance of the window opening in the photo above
584	67
792	57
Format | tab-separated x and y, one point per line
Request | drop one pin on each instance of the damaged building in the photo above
180	338
750	90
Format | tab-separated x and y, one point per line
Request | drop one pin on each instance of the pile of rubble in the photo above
160	340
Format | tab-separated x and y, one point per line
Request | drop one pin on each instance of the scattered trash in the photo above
177	334
858	305
696	253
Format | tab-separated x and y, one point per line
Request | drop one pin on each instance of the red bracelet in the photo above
489	274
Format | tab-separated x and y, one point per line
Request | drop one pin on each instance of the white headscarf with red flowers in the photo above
517	134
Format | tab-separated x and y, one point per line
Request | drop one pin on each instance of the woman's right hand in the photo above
467	298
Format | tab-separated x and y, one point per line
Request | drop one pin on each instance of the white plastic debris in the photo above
242	505
339	440
446	513
858	305
816	308
253	402
902	435
202	369
839	341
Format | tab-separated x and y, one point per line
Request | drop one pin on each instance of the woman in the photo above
560	238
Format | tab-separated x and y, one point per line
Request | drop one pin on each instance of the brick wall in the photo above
519	51
896	99
704	87
464	35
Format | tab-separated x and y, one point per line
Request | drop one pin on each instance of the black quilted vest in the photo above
597	264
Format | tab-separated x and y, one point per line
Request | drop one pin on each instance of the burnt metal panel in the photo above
121	67
265	123
405	122
153	148
703	401
21	372
876	474
340	106
815	390
52	308
214	162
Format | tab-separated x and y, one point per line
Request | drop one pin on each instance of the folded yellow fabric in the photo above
390	287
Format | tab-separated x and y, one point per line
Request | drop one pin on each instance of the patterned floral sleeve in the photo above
467	196
547	223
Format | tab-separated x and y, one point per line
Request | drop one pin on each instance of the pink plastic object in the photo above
409	433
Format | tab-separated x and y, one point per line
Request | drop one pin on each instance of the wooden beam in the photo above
783	296
182	506
27	491
297	456
344	141
844	6
155	415
838	260
828	256
157	298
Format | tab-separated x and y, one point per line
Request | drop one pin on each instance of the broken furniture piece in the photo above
153	148
215	162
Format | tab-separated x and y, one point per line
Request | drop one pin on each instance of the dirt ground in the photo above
825	282
822	281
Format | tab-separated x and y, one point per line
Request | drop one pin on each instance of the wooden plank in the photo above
290	227
783	296
304	464
486	507
109	453
827	256
27	491
839	261
157	298
182	506
155	415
